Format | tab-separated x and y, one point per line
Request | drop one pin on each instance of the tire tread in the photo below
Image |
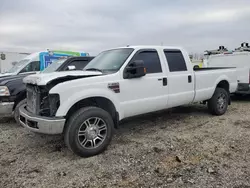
79	114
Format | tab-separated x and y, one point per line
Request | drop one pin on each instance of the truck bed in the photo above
206	80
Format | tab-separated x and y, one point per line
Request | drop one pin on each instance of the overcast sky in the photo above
95	25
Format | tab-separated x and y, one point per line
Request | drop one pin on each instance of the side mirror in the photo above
135	70
196	67
71	67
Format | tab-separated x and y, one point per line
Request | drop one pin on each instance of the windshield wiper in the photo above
93	69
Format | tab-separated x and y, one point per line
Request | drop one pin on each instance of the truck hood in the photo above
45	78
6	74
4	80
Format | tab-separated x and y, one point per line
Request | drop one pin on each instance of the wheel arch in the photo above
97	101
223	84
20	96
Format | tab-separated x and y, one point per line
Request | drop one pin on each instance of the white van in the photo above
9	59
239	58
38	61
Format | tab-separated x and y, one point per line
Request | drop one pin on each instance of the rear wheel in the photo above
218	104
89	131
16	110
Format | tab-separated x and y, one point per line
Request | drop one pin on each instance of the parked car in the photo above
13	90
238	58
119	83
38	61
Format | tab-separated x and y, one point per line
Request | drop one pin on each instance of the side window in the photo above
31	67
79	64
151	61
176	61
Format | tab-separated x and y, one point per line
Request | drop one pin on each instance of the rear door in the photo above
180	79
148	93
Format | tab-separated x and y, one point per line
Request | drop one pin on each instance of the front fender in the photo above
68	102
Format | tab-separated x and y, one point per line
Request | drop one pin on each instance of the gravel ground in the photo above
181	147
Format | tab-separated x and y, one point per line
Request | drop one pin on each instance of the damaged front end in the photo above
39	114
40	102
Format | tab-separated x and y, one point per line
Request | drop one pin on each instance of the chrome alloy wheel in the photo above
221	101
92	133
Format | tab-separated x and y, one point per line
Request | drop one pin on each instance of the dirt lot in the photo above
182	147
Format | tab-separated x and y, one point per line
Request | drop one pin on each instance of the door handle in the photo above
189	78
164	81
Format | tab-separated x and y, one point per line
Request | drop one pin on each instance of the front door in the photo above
148	93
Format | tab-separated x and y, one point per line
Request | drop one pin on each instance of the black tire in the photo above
16	110
74	124
218	104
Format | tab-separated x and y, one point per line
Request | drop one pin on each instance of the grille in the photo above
32	99
40	102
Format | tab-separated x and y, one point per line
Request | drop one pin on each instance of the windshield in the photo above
54	66
17	67
111	60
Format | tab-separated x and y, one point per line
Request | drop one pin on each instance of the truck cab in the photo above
119	83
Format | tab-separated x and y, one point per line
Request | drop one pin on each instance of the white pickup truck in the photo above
119	83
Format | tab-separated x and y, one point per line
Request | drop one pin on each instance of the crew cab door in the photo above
180	78
147	93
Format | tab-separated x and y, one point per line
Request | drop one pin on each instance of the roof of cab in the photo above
151	46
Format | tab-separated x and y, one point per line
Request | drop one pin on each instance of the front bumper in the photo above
40	124
6	108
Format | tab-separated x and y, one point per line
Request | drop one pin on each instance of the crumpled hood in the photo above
44	78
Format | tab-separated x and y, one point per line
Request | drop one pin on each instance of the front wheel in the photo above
218	104
89	131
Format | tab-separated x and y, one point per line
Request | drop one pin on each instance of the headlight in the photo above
4	91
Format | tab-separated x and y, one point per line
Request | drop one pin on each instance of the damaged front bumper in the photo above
41	124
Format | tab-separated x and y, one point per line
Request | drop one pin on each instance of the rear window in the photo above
176	61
